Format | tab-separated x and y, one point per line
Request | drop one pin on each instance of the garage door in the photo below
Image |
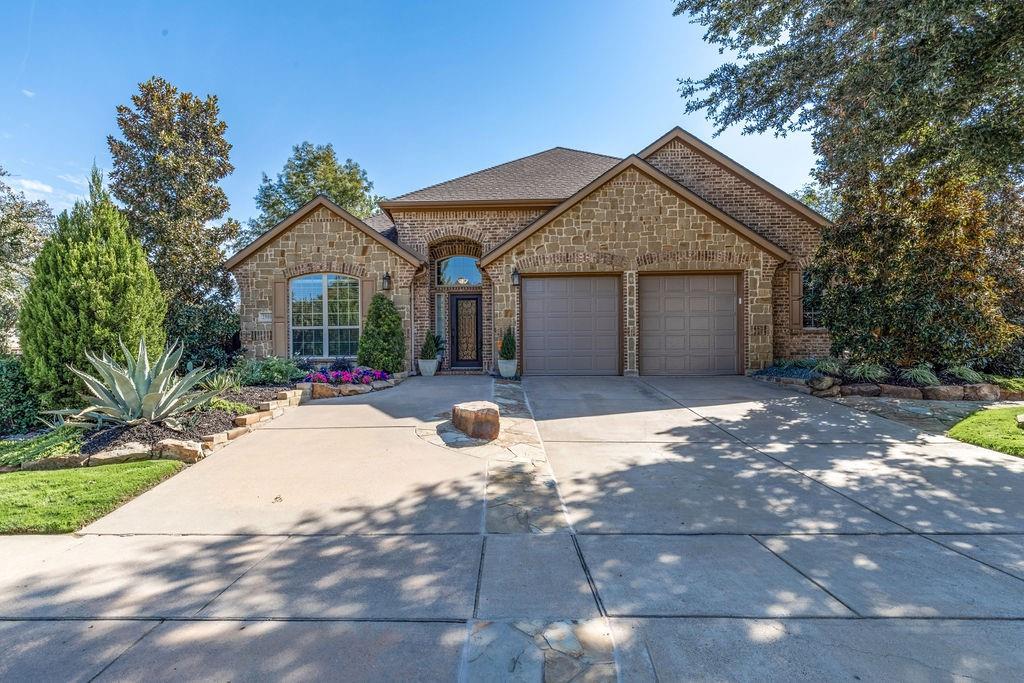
570	325
688	325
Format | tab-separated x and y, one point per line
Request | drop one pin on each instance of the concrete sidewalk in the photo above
698	528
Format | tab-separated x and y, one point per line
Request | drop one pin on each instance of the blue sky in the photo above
416	92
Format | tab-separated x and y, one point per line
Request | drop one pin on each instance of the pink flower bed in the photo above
358	375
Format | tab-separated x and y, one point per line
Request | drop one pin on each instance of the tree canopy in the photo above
23	226
311	170
166	173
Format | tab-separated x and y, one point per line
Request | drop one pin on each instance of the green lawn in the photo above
995	429
60	501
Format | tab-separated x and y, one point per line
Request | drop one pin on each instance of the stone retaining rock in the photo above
57	462
176	449
831	392
863	389
981	392
897	391
822	383
129	452
1020	421
943	393
478	419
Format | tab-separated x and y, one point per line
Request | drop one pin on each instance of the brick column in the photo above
630	322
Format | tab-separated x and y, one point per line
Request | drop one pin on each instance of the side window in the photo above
811	303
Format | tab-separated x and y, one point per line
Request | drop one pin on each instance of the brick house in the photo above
675	260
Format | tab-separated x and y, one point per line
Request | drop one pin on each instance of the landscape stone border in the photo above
829	387
188	452
320	390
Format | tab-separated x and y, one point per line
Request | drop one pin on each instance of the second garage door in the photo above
688	325
570	325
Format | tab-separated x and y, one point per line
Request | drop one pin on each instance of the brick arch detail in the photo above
602	258
454	232
335	266
455	247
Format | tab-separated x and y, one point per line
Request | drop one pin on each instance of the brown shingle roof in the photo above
556	173
383	224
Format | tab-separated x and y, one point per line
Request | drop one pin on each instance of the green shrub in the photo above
867	372
508	345
430	347
784	363
58	442
18	406
206	331
829	365
236	407
1008	383
382	343
266	371
91	288
920	374
965	373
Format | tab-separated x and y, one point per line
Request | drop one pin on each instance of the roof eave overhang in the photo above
399	205
655	175
305	210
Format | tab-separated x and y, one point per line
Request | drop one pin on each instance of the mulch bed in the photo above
254	396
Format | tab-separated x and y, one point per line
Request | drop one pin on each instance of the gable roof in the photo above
314	204
703	148
546	177
657	176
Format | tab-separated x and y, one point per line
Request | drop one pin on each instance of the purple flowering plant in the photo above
358	375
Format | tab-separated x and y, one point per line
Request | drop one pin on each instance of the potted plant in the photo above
507	354
428	355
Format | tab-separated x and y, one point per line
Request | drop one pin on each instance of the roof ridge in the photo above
491	168
585	151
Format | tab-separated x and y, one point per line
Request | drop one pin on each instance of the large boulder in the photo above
175	449
897	391
56	462
128	452
478	419
322	390
354	389
860	390
821	383
950	392
831	392
981	392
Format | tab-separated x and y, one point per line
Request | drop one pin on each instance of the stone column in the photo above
630	323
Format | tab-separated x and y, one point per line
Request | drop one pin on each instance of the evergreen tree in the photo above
382	344
311	170
91	287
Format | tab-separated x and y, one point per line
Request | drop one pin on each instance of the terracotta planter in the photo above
507	368
428	367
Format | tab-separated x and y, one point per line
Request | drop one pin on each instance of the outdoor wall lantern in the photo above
515	277
385	282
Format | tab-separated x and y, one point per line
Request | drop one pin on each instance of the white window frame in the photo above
325	327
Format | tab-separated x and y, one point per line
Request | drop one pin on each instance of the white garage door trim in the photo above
571	324
673	345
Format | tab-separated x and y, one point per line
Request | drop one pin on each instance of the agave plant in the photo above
225	380
135	392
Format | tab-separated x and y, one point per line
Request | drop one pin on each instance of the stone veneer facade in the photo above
630	225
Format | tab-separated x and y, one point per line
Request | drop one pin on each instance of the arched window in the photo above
456	271
324	315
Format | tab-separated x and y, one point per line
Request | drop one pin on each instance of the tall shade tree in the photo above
880	85
167	167
23	225
311	170
91	287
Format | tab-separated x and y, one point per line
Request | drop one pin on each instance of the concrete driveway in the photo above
701	528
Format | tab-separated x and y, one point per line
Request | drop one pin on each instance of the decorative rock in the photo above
821	383
981	392
354	389
304	386
1020	421
129	452
246	420
943	393
478	419
57	462
831	392
265	415
860	390
175	449
212	439
236	432
382	384
321	390
1007	395
896	391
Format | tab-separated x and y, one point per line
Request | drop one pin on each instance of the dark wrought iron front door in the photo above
465	340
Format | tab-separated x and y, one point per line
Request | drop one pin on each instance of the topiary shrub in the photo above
382	343
507	349
91	288
18	406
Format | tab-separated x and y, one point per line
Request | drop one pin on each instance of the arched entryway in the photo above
458	307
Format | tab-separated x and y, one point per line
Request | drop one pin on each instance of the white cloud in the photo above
27	93
78	180
29	186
